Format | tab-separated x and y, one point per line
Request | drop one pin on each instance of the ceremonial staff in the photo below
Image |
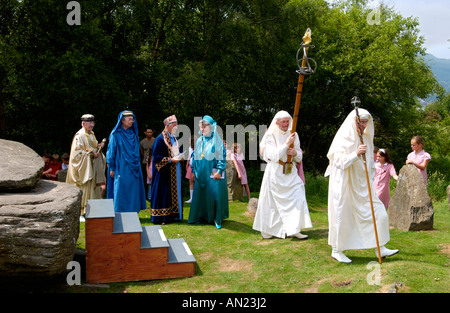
100	149
355	101
304	69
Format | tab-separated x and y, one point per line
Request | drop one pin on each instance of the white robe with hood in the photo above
349	212
282	208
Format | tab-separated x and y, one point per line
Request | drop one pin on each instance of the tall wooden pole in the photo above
355	101
306	40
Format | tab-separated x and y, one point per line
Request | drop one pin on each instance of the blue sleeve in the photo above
160	154
111	153
221	164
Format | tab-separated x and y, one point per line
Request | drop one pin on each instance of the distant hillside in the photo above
441	69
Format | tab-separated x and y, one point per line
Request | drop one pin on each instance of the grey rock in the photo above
39	229
448	196
410	208
252	206
62	175
21	166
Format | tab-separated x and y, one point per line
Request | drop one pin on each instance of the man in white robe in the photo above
282	209
349	211
87	163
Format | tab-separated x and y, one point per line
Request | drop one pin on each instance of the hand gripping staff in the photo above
355	101
304	69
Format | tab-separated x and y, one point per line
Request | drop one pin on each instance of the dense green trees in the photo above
232	59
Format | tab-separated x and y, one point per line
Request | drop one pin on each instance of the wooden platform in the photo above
119	249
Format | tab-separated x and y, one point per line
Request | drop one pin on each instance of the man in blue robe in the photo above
210	198
166	193
124	166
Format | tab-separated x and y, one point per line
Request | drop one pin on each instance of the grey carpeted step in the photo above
179	251
153	237
127	222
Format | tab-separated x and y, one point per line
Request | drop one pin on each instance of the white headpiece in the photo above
274	129
347	139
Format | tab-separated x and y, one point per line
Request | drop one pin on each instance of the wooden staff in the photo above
355	101
304	69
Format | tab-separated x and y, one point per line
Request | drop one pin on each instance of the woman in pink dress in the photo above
384	170
419	158
238	160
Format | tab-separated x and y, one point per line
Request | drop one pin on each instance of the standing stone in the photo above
21	167
448	196
410	208
252	207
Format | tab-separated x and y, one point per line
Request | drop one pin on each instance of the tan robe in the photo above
84	171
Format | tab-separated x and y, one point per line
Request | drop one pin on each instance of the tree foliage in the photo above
234	60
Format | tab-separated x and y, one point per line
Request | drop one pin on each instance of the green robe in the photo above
210	197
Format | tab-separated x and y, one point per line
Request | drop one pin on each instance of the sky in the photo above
434	22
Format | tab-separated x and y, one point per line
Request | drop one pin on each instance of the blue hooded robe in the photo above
166	193
123	158
210	197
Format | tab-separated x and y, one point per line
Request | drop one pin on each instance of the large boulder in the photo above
410	207
21	167
39	229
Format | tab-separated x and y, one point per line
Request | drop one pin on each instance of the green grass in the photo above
235	259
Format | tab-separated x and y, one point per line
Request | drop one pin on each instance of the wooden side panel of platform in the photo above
114	257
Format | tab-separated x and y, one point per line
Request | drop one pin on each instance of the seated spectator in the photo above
55	167
65	161
47	170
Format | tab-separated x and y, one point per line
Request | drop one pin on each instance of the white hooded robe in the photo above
282	208
349	211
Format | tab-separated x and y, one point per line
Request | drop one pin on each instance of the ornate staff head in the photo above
355	102
304	67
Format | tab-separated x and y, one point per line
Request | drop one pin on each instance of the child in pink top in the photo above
384	171
238	160
419	158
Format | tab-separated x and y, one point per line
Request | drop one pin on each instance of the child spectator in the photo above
418	157
65	161
384	170
56	166
375	151
238	160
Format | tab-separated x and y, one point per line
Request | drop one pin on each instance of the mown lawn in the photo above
235	259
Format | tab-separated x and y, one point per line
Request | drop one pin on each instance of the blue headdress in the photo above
129	140
215	147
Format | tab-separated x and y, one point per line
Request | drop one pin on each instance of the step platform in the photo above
119	249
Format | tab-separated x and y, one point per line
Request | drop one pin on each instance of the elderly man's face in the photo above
88	126
172	127
127	121
363	123
283	123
